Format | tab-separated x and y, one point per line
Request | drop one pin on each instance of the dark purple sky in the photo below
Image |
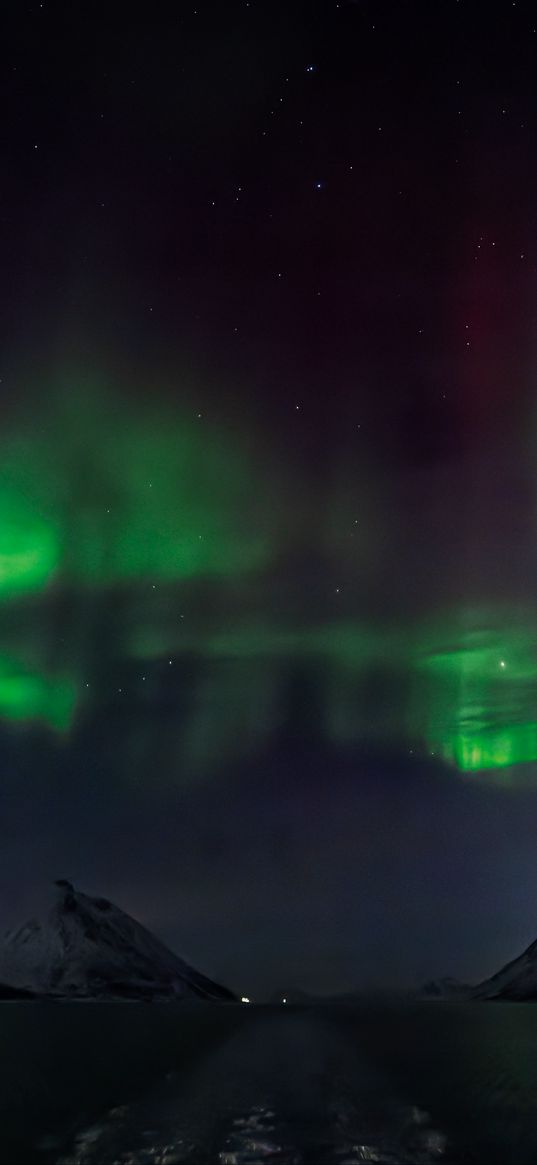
311	227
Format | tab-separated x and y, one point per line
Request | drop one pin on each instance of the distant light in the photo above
244	999
284	1000
502	663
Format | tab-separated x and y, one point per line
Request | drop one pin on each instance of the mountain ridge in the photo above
516	980
89	948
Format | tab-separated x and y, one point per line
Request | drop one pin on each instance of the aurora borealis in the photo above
268	480
165	501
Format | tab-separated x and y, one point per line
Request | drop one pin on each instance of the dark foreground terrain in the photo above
231	1085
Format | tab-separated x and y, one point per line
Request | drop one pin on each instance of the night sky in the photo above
268	479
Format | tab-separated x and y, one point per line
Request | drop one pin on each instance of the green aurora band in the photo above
96	495
99	497
479	690
27	697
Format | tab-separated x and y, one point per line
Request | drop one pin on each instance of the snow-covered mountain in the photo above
445	988
517	980
87	948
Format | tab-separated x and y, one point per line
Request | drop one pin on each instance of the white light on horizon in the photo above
244	999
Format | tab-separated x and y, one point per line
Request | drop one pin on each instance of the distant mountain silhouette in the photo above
7	993
445	988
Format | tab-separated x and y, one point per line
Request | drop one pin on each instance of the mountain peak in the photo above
89	948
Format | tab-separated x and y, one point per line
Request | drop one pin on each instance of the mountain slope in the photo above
87	948
517	980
